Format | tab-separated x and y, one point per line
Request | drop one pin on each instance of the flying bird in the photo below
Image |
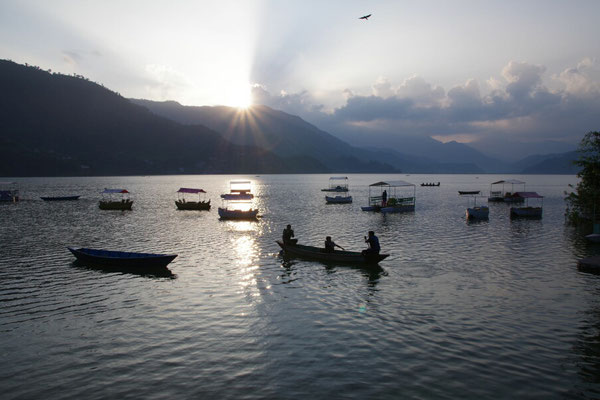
365	17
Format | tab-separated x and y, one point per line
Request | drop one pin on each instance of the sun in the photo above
239	96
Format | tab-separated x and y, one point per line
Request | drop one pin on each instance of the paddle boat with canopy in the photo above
475	212
527	211
239	190
337	256
110	202
344	197
337	184
395	202
505	196
183	204
9	192
237	205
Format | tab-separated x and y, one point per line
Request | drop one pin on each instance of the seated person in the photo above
287	236
330	245
373	242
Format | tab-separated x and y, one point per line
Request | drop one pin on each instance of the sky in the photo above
507	77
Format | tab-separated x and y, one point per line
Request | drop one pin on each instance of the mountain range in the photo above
54	124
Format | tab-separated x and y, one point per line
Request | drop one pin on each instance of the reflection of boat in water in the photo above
183	204
527	212
501	195
9	192
430	184
108	201
61	198
122	259
337	256
337	184
340	187
394	203
238	202
475	212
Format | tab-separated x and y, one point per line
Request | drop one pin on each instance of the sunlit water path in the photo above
492	309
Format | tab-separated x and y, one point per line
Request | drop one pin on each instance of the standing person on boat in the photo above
287	236
373	241
384	198
330	245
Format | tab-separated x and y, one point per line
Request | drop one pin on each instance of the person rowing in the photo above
330	245
287	236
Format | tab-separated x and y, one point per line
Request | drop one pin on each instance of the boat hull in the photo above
122	259
115	205
237	196
526	212
225	213
192	205
340	257
478	213
398	209
61	198
335	190
338	199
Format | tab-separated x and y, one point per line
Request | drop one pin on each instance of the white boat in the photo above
338	199
394	201
337	184
239	190
475	212
505	196
237	204
527	211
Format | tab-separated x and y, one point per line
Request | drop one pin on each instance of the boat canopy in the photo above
393	184
510	181
115	191
529	195
240	182
189	190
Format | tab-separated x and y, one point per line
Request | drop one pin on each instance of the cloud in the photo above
515	107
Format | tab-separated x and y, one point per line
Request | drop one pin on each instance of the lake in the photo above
493	309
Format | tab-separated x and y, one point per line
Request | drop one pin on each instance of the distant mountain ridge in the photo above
54	124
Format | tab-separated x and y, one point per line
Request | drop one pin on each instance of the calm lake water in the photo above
492	309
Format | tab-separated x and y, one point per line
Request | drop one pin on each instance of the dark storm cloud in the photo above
520	108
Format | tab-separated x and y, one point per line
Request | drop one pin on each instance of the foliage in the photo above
583	205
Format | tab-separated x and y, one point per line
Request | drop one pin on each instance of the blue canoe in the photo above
122	259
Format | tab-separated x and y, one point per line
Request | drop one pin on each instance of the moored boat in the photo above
337	256
463	192
60	198
337	184
385	197
109	202
183	204
430	184
122	259
239	190
527	211
338	199
475	212
505	196
226	213
9	192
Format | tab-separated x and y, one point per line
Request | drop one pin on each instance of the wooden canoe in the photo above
340	257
